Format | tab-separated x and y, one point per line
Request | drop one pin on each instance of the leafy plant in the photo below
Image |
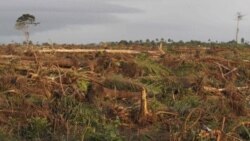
83	85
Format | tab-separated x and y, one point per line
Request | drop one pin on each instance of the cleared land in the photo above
125	94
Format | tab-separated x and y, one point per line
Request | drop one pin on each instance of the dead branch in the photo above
189	117
221	71
212	89
225	67
168	113
233	70
9	91
223	124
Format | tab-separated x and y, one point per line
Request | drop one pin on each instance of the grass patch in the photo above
89	121
185	104
120	83
187	68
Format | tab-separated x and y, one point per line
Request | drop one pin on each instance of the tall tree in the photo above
239	18
23	23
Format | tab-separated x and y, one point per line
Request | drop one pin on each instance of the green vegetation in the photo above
118	82
150	67
83	85
36	128
96	95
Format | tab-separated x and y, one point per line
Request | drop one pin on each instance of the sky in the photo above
93	21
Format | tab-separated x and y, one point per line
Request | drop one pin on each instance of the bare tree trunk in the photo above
26	35
237	32
239	18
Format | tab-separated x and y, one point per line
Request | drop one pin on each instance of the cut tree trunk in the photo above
144	107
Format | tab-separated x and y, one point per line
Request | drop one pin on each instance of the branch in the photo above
233	70
9	91
212	89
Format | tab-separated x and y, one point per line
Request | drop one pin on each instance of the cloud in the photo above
55	14
101	20
87	6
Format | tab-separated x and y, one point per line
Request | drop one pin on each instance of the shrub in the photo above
83	85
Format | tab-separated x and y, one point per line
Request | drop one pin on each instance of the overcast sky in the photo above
86	21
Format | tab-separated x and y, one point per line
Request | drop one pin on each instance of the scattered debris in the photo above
165	93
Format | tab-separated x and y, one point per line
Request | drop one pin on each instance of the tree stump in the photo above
143	115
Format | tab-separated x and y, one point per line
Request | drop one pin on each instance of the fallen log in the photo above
94	50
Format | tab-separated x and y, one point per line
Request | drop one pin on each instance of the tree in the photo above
147	42
157	40
239	18
162	40
242	40
124	42
23	23
170	40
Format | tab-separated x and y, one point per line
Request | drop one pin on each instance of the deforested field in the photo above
175	93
